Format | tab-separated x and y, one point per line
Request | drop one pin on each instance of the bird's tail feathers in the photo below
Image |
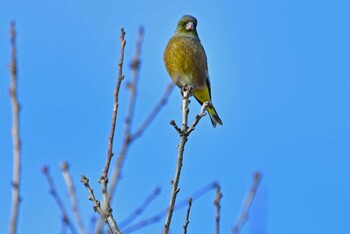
214	117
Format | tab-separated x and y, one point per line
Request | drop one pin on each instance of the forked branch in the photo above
184	132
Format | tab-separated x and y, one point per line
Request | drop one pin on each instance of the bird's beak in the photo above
190	26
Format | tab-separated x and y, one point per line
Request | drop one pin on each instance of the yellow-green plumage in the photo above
186	63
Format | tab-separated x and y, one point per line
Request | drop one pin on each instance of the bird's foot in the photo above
187	90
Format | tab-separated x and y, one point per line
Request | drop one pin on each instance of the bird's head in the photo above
187	26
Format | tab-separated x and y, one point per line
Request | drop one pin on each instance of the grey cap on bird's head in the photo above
187	19
187	24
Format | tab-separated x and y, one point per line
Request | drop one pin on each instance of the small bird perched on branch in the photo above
186	63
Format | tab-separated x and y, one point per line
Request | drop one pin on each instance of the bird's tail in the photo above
214	117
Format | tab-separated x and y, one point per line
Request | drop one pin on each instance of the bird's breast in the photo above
185	61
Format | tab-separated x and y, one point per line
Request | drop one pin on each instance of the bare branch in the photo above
247	204
158	216
128	136
16	174
127	132
218	207
199	116
104	177
187	221
97	204
115	104
53	191
141	208
184	133
72	194
172	122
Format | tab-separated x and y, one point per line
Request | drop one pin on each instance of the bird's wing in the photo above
206	72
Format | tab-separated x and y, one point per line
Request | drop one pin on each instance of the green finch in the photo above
186	63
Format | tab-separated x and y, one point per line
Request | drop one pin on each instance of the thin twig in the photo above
247	204
53	191
183	139
97	203
159	215
104	177
217	207
141	208
184	133
16	176
172	123
115	104
72	194
127	132
187	220
128	136
201	114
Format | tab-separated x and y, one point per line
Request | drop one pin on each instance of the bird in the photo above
186	62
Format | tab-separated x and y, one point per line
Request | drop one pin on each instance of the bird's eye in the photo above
183	24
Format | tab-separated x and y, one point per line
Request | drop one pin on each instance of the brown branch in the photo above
16	176
158	216
247	204
187	221
127	132
141	208
127	135
133	91
218	207
104	177
183	139
53	191
72	194
184	133
115	104
97	205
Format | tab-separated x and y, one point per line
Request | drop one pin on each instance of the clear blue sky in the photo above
280	82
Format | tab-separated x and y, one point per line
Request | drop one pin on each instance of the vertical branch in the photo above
218	207
115	104
183	139
135	65
247	204
127	135
184	132
72	194
187	220
104	178
16	176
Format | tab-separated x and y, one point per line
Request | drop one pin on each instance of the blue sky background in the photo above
280	82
